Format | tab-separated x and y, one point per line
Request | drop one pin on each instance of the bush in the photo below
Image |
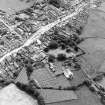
87	83
98	78
51	58
53	45
55	3
92	89
61	57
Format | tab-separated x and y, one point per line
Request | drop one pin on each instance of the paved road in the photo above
44	29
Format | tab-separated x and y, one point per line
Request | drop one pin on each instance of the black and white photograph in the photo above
52	52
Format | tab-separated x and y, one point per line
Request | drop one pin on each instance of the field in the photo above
95	56
93	63
10	6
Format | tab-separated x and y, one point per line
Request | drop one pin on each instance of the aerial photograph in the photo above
52	52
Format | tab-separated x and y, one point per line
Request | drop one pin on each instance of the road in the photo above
44	29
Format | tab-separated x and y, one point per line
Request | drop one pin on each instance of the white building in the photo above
68	74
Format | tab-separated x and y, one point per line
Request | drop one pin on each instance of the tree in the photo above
55	3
